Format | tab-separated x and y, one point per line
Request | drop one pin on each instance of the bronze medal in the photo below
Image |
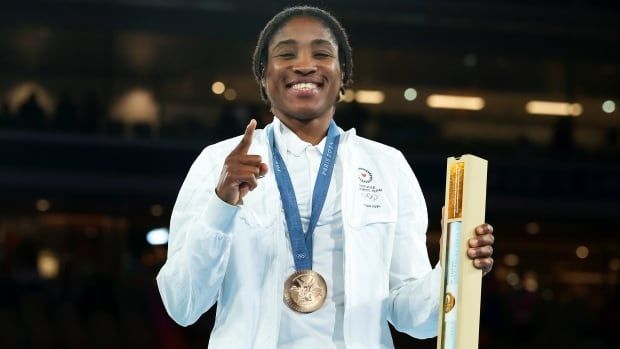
305	291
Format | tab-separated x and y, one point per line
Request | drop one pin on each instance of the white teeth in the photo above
304	86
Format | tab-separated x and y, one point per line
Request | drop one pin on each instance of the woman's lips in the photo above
304	89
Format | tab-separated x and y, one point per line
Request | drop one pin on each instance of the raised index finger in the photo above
246	141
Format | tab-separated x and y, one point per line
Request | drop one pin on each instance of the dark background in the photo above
105	104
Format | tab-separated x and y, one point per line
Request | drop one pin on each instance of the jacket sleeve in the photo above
199	244
414	285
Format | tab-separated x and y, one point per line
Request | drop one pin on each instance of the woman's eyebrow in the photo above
322	42
285	42
315	42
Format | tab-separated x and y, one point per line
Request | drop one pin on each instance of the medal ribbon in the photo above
302	247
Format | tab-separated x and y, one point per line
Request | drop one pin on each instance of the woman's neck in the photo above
312	131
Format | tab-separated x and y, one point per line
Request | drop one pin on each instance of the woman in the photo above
292	262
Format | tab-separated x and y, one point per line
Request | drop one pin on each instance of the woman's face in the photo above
303	77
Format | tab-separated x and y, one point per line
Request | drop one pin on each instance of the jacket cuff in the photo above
220	214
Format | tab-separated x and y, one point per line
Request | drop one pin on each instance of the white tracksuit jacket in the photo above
237	256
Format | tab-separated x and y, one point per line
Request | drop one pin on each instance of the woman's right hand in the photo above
241	171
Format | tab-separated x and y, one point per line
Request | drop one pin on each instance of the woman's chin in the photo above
307	112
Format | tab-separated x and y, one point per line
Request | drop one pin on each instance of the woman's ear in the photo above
263	81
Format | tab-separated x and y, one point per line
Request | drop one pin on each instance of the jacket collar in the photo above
287	140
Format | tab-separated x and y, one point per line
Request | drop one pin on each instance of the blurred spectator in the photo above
92	119
352	115
114	128
232	121
142	130
563	142
30	115
524	149
66	116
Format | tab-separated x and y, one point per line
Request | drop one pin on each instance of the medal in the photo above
305	291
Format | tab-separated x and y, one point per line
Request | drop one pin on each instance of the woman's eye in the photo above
322	54
286	55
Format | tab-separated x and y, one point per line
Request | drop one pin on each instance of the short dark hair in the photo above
345	55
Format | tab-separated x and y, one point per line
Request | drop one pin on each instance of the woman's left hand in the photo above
481	248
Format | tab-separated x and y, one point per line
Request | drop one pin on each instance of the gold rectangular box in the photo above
461	283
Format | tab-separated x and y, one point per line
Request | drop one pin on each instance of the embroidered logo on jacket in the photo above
370	193
364	175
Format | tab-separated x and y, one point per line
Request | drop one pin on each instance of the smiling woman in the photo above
271	249
338	36
302	62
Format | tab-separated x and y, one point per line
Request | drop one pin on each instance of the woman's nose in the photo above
305	64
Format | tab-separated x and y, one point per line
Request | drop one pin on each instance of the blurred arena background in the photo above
105	104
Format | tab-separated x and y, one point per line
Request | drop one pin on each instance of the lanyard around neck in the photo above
302	247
